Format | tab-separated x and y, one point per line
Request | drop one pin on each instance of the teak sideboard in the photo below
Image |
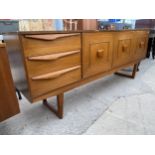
46	64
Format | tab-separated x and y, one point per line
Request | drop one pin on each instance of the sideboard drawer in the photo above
44	83
34	45
50	63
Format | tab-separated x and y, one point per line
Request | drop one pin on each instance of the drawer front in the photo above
141	41
43	64
44	83
97	53
123	47
34	45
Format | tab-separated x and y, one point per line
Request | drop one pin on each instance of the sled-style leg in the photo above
59	110
127	75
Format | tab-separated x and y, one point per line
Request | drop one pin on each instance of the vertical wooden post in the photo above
60	101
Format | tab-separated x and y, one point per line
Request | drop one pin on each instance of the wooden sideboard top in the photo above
77	31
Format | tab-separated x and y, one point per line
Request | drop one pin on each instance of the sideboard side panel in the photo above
18	71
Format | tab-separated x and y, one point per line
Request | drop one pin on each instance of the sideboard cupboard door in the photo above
8	102
97	53
123	47
141	41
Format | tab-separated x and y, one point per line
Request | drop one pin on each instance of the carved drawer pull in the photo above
100	53
54	75
50	37
124	47
141	44
52	56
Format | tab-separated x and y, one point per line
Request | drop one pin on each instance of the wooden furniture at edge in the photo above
80	24
145	23
87	24
51	63
8	102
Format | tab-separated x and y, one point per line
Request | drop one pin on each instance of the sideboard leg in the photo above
59	110
134	71
127	75
60	101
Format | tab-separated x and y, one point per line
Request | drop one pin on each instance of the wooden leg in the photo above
59	110
127	75
60	100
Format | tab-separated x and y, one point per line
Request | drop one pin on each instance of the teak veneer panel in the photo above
97	53
43	66
44	83
140	46
123	47
35	47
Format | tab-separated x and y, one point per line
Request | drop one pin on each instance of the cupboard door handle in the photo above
54	75
141	44
52	56
100	53
50	37
124	47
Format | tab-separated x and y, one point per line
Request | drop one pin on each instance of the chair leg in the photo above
127	75
60	102
19	94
